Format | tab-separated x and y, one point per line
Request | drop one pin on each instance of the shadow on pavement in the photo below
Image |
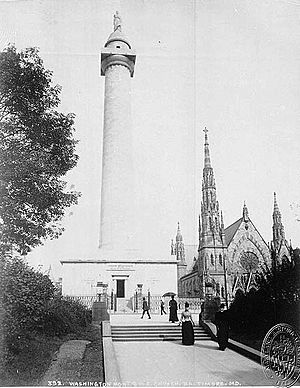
213	347
197	345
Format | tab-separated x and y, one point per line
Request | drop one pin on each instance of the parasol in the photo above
169	294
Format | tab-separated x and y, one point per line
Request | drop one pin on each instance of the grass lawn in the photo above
92	365
31	358
35	353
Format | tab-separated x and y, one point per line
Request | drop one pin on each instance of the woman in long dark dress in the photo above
187	326
222	323
173	310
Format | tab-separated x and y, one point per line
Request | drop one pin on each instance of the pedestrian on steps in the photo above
145	309
173	310
162	308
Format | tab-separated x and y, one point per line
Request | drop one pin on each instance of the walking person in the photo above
201	314
188	324
222	324
173	310
145	309
162	308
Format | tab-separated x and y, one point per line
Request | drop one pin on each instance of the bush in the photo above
64	316
25	294
29	305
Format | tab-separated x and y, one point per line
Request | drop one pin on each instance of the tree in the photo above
37	148
281	281
276	300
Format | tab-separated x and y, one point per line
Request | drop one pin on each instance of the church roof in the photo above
231	230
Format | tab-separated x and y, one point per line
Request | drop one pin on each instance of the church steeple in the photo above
178	235
211	225
178	249
278	229
212	239
206	150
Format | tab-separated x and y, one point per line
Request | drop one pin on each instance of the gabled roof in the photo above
231	230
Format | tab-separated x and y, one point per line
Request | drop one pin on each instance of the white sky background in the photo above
230	65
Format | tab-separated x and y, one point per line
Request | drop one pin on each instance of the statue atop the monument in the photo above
117	21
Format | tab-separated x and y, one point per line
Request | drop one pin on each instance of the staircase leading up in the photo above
153	333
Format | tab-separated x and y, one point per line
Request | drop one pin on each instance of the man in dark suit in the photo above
145	309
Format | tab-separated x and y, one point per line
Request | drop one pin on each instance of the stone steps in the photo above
153	333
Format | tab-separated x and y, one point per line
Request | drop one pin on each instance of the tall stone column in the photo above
117	226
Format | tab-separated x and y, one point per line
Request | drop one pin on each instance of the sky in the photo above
230	65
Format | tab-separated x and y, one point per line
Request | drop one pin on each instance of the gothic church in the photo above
228	258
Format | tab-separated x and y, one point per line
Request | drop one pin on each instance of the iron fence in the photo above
136	303
85	300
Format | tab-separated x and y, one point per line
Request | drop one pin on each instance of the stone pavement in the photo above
173	364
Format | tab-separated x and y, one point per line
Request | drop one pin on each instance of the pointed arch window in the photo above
285	261
212	259
220	259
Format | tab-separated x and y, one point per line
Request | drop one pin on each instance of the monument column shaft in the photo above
117	196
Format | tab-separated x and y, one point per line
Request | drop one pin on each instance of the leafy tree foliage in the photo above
282	281
36	149
276	300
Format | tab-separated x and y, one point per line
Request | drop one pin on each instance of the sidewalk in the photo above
173	364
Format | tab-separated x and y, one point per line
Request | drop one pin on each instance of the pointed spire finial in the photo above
179	235
206	149
222	221
276	207
117	21
245	212
205	130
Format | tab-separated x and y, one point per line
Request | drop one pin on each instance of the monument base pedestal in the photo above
99	312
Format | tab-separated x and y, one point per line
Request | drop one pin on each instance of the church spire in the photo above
178	248
276	207
178	235
210	216
206	150
278	229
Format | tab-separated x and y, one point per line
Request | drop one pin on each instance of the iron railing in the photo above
154	302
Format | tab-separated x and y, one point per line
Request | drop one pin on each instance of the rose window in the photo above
249	261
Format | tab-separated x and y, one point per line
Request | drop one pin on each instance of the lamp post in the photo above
208	290
99	309
99	290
